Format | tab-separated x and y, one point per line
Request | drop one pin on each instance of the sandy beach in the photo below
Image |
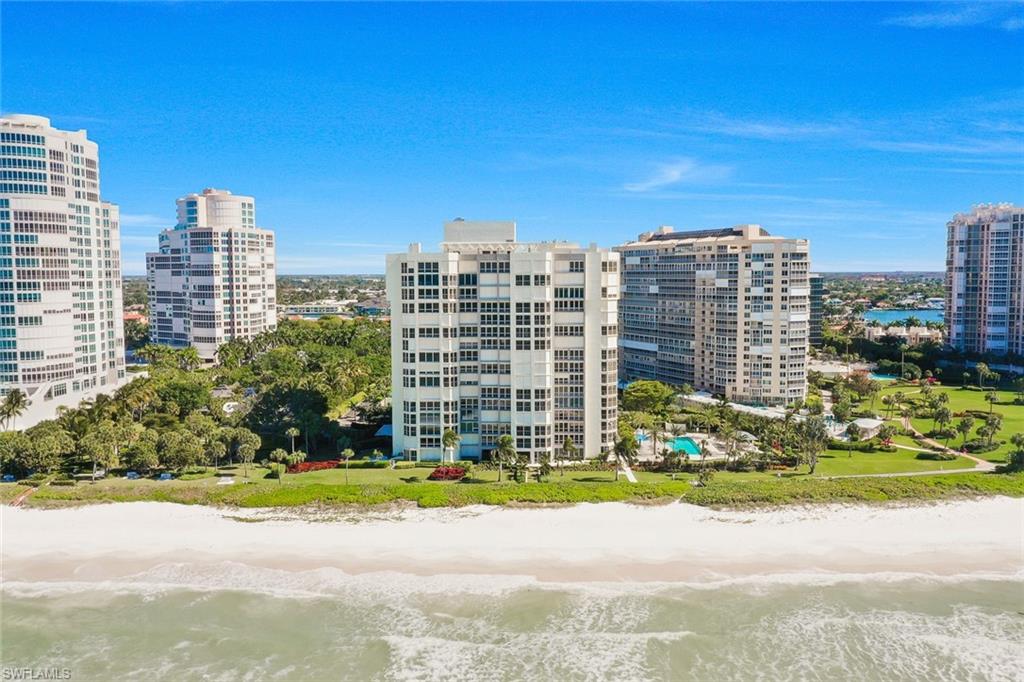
615	542
595	592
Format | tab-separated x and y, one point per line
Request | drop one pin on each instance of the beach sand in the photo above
589	542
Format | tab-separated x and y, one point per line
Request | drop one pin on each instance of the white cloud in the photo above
958	16
681	171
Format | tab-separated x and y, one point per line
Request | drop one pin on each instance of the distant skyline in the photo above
360	128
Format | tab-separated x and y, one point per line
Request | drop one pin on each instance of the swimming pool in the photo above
687	445
884	377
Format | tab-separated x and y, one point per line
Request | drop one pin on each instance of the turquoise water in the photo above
687	445
180	623
641	437
884	377
896	316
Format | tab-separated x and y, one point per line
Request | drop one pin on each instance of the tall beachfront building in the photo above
816	331
61	327
213	279
985	279
490	336
725	311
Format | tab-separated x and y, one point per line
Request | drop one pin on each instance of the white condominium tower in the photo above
985	279
213	279
61	327
725	311
491	336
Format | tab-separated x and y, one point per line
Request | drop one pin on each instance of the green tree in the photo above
347	454
964	426
991	398
51	443
12	446
982	369
292	433
280	457
450	441
813	434
504	452
852	436
1015	458
569	451
625	451
142	452
14	404
179	449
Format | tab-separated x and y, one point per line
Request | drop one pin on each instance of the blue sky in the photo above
361	128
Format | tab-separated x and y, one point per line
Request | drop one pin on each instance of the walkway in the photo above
16	502
980	464
628	472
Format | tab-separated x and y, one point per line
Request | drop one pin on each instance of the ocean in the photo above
898	316
229	621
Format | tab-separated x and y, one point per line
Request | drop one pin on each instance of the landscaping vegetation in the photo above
721	492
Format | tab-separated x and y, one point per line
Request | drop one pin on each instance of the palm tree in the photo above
347	454
504	451
992	397
13	406
964	427
982	369
279	456
814	437
852	435
941	417
450	441
292	433
569	450
625	451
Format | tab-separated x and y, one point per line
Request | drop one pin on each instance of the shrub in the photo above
447	473
63	481
196	474
978	445
303	467
273	473
937	456
36	480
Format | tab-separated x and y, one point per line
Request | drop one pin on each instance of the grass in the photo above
722	491
961	400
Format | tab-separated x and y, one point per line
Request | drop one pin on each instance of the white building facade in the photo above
214	276
490	336
61	326
725	311
985	279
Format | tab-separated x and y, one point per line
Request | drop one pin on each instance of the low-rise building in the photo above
912	336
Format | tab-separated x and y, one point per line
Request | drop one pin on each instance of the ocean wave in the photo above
327	581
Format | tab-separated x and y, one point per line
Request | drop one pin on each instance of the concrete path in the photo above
628	472
980	464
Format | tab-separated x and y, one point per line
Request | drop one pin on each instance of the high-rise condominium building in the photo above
817	307
61	328
491	336
725	311
213	279
985	279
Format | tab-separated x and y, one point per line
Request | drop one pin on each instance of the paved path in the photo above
980	464
16	502
628	472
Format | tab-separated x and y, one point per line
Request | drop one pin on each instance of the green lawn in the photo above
960	400
722	491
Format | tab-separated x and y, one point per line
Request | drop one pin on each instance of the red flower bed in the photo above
446	474
303	467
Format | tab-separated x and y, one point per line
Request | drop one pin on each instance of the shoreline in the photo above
611	542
